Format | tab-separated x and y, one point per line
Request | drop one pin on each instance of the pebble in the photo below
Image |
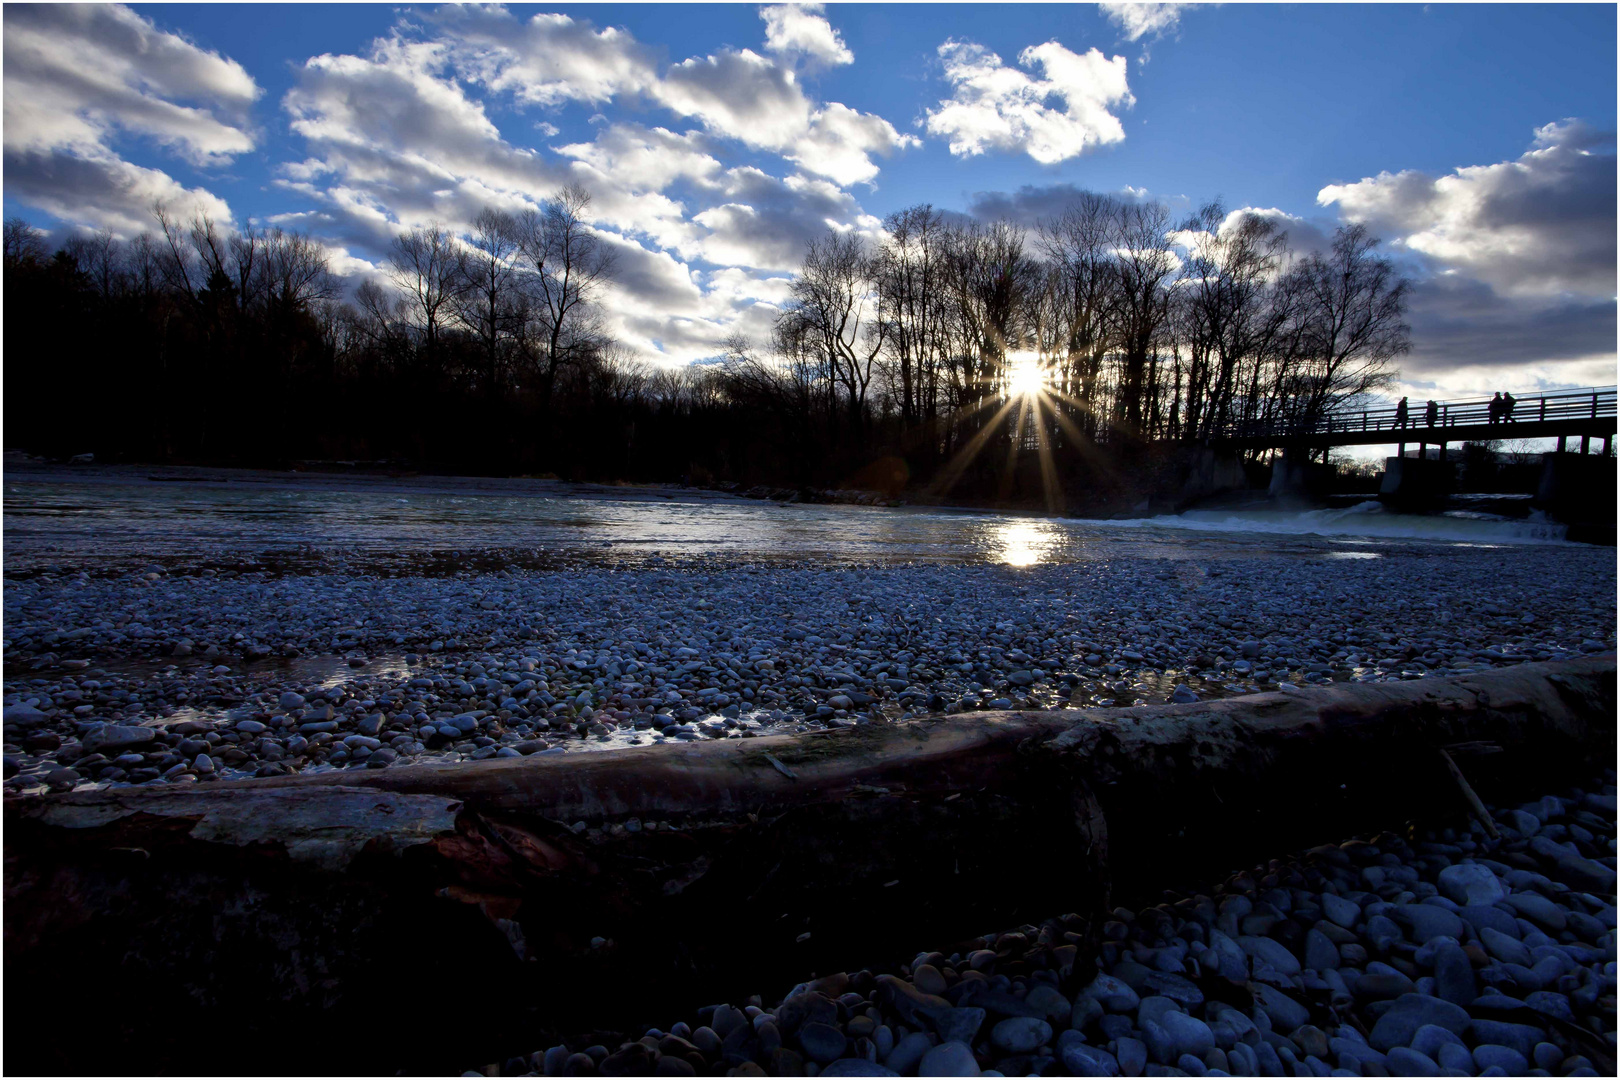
668	651
232	672
949	1059
1020	1034
1128	1017
1470	883
822	1042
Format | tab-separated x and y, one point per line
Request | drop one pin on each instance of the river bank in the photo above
232	624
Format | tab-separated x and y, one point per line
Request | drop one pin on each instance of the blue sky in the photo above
1477	140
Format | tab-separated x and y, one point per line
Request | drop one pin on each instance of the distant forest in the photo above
946	352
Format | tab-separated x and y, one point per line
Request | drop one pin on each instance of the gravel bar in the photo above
167	676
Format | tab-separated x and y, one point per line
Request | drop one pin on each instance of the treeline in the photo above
948	352
1135	328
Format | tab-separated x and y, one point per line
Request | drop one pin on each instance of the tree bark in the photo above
707	871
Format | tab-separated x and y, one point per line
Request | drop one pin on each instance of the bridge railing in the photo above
1593	402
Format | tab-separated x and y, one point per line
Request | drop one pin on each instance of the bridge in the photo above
1585	414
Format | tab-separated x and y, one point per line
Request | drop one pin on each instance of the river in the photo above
111	515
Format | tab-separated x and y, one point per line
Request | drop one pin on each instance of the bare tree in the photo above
1224	287
570	264
1077	244
489	301
1145	264
425	266
101	257
911	271
22	243
835	310
294	272
1354	328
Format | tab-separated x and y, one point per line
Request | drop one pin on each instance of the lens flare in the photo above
1026	375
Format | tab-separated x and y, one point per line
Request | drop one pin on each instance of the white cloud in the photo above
647	159
395	143
802	28
1540	226
741	94
395	140
993	106
105	192
734	93
78	77
546	60
765	222
1519	259
841	142
1139	20
404	134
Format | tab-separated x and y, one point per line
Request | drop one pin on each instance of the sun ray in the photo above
1014	445
1050	488
964	457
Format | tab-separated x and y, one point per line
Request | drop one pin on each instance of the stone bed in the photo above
1447	954
166	676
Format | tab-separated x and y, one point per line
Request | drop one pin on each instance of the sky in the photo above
1477	141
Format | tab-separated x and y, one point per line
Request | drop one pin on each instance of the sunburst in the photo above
1026	376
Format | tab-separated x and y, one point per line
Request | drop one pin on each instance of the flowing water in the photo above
113	517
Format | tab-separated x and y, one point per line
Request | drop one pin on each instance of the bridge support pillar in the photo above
1560	444
1586	443
1415	482
1295	477
1579	491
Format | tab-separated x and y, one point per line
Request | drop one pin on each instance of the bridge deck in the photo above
1565	413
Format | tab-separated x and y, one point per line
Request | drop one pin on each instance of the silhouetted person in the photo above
1496	408
1508	402
1400	413
1431	413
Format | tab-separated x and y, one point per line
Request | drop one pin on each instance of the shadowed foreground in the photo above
364	902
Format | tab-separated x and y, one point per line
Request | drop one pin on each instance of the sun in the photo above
1026	375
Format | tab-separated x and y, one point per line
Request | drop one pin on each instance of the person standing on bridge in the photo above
1508	401
1431	413
1400	414
1495	410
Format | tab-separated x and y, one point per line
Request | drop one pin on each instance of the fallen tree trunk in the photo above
546	893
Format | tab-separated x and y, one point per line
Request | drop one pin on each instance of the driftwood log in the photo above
420	918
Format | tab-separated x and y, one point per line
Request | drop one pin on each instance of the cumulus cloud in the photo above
547	59
396	143
104	192
396	138
1539	226
803	29
1139	20
742	95
79	77
996	107
1464	322
765	222
737	94
1515	261
1305	235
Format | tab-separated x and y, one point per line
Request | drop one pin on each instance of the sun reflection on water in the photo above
1024	543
